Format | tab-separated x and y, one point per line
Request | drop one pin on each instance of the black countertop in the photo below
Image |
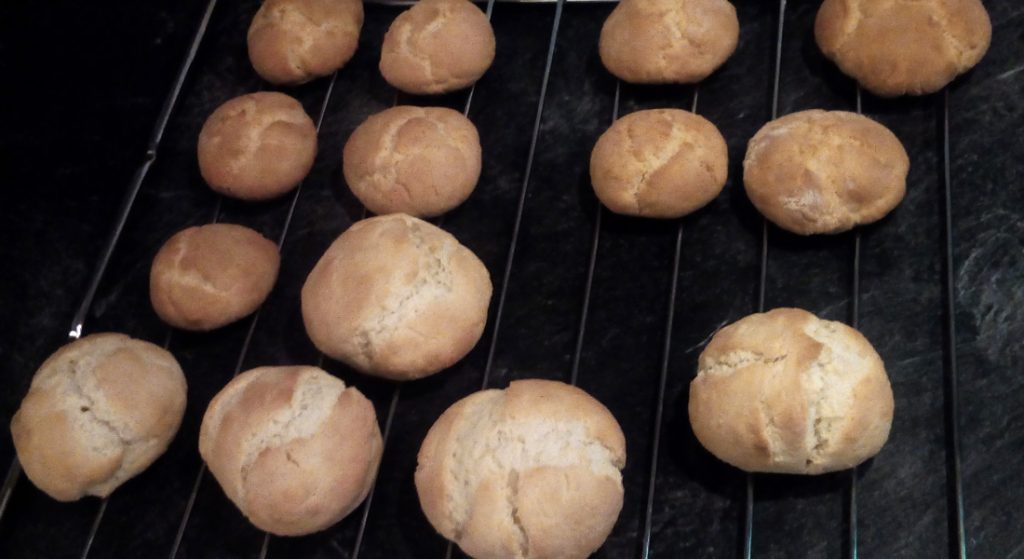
83	86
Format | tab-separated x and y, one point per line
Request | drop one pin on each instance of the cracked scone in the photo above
787	392
422	161
825	171
660	163
529	472
100	410
292	447
208	276
437	46
293	41
257	146
396	297
668	41
903	47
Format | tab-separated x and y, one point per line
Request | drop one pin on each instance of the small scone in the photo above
530	472
257	146
413	160
437	46
903	47
396	297
668	41
293	448
787	392
825	171
294	41
208	276
659	163
100	411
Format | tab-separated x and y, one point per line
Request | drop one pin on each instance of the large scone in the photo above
208	276
422	161
396	297
293	448
659	163
668	41
100	410
257	146
825	171
437	46
530	472
900	47
787	392
293	41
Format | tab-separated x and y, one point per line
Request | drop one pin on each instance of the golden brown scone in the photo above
257	146
208	276
293	448
659	163
294	41
100	411
903	47
396	297
787	392
825	171
668	41
437	46
529	472
418	161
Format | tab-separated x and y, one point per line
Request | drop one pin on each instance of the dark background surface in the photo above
82	87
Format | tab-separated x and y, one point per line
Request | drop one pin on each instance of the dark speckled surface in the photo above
82	87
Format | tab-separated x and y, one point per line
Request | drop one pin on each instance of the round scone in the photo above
293	41
257	146
208	276
668	41
413	160
659	163
100	410
437	46
825	171
529	472
293	447
787	392
903	47
396	297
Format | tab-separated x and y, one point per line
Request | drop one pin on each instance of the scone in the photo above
257	146
208	276
903	47
668	41
437	46
659	163
825	171
787	392
413	160
293	41
396	297
529	472
100	411
293	447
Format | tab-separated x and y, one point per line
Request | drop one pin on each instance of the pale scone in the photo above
659	163
668	41
293	41
396	297
529	472
437	46
293	447
257	146
413	160
903	47
787	392
825	171
100	410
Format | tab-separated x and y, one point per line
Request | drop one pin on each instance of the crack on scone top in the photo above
512	497
734	360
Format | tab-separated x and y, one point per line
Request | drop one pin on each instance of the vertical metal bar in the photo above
373	489
95	527
852	535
